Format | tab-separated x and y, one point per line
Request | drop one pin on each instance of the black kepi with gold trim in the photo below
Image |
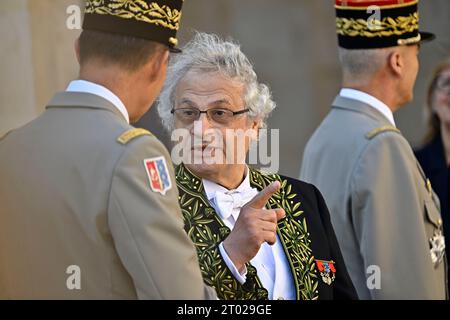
370	24
156	20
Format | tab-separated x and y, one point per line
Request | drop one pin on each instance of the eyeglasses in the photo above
443	83
220	116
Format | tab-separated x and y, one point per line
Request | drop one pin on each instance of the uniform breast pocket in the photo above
432	213
434	232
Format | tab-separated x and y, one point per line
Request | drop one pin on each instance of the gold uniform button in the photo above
173	41
429	187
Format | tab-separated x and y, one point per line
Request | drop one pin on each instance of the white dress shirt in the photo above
101	91
369	100
270	262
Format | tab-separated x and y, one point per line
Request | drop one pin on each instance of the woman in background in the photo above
434	156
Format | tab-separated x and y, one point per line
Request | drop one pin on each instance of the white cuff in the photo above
241	277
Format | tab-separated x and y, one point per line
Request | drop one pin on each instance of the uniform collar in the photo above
83	100
360	107
370	101
84	86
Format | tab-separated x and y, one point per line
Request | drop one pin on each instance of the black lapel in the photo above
293	233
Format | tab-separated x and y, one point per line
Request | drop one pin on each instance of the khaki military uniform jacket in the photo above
76	200
384	212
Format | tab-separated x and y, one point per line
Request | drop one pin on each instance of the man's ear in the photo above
77	50
257	124
158	64
396	62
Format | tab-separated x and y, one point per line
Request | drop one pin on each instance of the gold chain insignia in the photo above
139	10
384	28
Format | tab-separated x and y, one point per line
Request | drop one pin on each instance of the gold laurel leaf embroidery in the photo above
142	3
392	22
384	28
139	10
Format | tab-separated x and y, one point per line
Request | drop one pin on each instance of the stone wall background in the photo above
292	44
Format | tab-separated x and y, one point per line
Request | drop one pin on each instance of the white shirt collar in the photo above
211	187
220	197
369	100
101	91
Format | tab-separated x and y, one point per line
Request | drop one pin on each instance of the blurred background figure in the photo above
434	155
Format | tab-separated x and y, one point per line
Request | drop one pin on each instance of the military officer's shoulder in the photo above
379	131
140	142
386	136
384	144
132	134
131	138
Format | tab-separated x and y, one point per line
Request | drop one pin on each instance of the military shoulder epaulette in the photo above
372	134
132	134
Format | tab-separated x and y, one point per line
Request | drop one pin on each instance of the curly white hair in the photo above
209	53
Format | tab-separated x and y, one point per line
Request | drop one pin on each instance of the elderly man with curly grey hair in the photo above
258	235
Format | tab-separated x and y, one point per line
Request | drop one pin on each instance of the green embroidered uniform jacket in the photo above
306	234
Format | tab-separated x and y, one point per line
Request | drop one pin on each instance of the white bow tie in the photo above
227	202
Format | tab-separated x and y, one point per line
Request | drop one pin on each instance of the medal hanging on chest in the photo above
437	247
327	271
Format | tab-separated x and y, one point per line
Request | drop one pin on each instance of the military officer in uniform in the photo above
385	214
89	204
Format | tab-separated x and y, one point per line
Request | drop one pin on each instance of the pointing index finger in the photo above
260	200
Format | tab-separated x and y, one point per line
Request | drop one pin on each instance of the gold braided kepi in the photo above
156	20
370	24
